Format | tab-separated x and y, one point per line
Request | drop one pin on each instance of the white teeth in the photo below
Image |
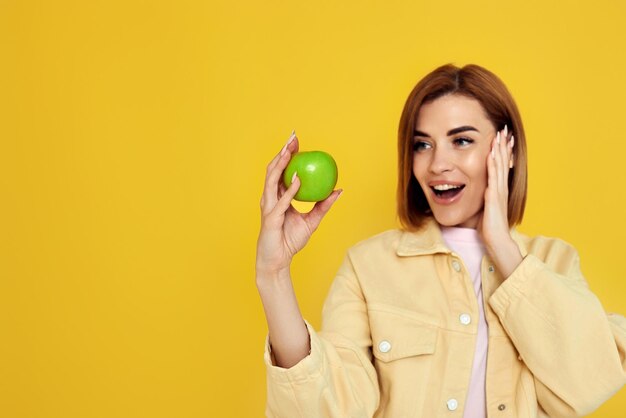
445	187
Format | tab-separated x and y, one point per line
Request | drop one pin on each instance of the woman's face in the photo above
453	139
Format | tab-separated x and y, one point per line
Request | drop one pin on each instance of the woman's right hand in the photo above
284	230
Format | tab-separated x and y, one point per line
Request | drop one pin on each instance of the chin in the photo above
451	223
446	220
455	220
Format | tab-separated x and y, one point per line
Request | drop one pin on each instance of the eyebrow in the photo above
450	132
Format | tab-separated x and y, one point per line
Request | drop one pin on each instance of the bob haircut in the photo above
478	83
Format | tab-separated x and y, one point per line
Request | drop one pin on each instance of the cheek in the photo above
419	172
417	166
477	167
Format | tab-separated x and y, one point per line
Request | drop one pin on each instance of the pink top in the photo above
466	243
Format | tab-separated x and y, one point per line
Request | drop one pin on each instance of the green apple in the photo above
317	172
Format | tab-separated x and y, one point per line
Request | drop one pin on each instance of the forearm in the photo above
562	333
337	378
287	331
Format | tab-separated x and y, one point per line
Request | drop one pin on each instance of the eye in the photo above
463	141
420	146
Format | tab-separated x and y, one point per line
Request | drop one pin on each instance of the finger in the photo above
269	168
492	175
273	177
507	141
504	168
292	145
281	190
270	189
274	161
512	156
321	208
497	162
507	163
285	201
508	135
502	162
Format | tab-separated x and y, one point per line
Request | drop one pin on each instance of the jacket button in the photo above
465	319
501	407
384	346
456	265
452	404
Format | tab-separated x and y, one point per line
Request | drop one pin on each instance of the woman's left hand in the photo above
494	225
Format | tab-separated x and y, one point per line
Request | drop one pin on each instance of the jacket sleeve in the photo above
337	379
575	351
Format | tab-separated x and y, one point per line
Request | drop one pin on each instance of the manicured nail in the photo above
291	138
498	138
512	141
293	178
506	131
340	192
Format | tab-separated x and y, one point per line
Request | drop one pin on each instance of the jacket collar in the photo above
428	240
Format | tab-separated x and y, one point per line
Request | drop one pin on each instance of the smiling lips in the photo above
446	193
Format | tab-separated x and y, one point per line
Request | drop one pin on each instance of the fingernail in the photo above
339	195
511	164
293	178
493	153
291	138
512	141
498	138
506	131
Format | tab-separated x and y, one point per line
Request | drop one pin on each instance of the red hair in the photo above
478	83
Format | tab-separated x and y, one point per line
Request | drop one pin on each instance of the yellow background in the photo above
134	138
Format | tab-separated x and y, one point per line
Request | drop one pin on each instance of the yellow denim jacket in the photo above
392	343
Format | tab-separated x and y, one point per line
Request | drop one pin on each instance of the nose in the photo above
441	161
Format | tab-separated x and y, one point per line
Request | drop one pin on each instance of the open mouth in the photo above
447	191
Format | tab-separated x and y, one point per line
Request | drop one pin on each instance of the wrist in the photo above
496	246
265	276
506	256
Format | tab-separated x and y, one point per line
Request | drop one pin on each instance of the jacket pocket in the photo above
399	333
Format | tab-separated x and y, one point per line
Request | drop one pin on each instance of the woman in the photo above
454	314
